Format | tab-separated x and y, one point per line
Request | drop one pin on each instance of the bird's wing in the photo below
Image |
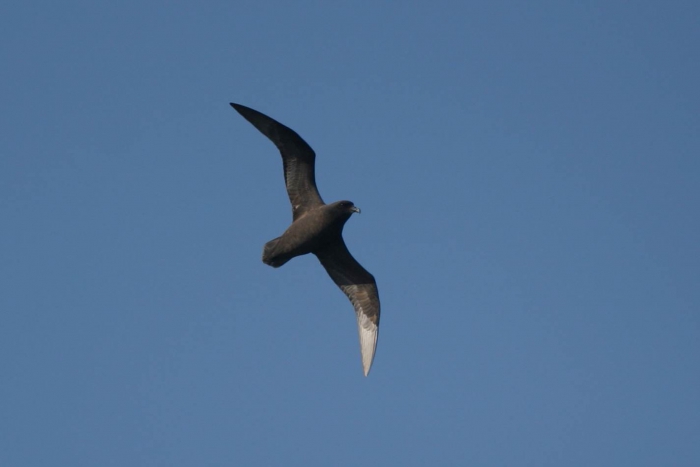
297	156
361	288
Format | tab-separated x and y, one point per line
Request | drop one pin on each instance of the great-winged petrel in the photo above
317	228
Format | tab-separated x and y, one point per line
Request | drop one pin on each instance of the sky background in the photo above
528	174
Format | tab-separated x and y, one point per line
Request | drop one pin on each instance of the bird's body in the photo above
307	234
317	228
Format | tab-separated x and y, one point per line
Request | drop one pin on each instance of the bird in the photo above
317	228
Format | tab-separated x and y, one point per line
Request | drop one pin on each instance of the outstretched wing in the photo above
297	156
361	288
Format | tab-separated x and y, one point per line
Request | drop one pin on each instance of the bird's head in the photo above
346	207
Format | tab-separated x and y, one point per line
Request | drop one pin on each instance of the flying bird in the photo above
317	228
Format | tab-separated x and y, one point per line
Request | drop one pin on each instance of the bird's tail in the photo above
272	256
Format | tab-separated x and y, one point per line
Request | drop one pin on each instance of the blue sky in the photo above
528	176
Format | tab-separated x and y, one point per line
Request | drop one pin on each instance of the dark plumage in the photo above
318	228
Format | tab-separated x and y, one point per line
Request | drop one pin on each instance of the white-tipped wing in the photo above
361	288
368	332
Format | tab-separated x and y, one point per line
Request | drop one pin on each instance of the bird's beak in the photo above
355	209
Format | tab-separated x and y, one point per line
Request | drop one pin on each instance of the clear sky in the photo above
528	174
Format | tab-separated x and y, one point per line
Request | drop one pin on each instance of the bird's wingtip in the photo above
368	341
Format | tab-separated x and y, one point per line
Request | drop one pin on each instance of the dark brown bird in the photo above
317	228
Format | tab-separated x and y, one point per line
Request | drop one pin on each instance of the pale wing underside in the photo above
297	156
361	288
